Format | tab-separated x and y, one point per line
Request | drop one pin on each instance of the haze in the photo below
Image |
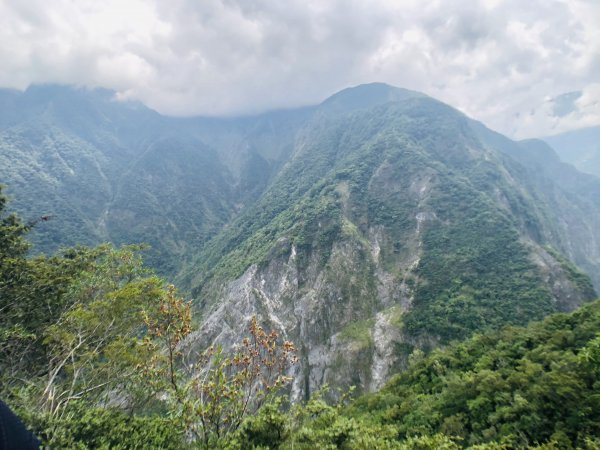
523	68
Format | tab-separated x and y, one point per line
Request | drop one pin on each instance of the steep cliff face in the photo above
392	227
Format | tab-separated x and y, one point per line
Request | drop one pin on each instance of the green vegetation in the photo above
518	386
93	195
88	427
91	353
359	332
476	273
90	357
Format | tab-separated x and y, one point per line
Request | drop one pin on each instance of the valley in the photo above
378	225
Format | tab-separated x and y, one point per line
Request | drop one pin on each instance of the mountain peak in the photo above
366	96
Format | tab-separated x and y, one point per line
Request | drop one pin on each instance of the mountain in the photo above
519	386
566	199
397	225
119	172
376	223
580	148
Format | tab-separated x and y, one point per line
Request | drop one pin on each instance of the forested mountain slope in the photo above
112	171
375	223
510	389
395	225
567	200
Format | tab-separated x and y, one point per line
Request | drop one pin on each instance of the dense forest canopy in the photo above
92	355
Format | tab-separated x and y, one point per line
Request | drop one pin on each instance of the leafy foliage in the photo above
517	386
86	427
212	393
477	274
112	342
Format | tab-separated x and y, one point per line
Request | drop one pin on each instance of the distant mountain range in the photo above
375	223
580	148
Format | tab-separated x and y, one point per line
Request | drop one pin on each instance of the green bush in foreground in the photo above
85	427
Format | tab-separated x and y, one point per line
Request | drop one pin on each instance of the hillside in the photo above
119	172
376	223
397	224
518	386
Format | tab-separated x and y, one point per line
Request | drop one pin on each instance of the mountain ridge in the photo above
379	222
282	261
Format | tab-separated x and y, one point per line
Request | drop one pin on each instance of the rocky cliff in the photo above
376	223
395	225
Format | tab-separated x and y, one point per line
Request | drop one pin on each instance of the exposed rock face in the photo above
343	340
405	227
375	223
346	315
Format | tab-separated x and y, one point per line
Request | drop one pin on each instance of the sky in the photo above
524	68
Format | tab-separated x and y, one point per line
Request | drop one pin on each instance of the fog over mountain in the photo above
511	64
579	147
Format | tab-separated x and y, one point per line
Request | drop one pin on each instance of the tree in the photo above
33	295
212	392
94	330
94	347
591	354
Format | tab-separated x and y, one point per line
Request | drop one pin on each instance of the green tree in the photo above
90	332
94	347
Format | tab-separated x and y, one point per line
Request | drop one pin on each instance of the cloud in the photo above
500	61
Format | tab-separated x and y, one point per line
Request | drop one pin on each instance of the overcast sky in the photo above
508	63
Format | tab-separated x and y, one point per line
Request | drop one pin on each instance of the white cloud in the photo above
497	60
